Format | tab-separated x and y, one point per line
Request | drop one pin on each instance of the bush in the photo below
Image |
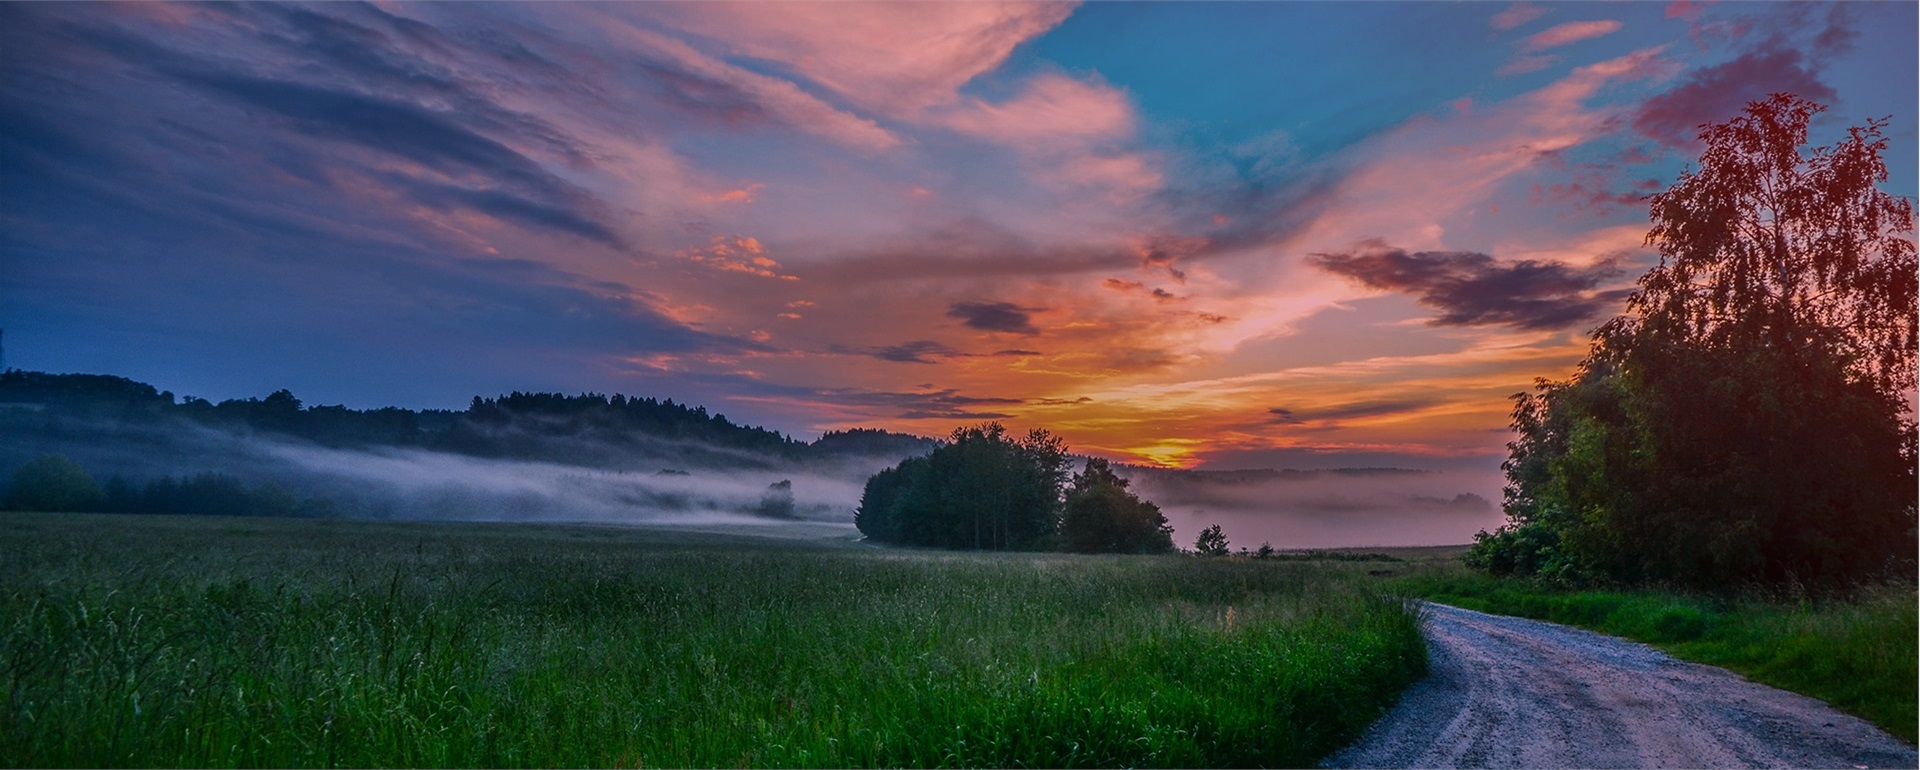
1211	542
54	484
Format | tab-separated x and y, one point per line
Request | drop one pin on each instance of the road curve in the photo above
1510	692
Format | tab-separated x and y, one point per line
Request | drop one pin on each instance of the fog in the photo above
1326	508
665	482
411	483
657	484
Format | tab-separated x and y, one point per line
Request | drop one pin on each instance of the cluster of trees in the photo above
985	489
1747	420
55	484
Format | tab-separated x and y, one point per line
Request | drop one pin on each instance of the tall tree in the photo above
1803	249
1747	419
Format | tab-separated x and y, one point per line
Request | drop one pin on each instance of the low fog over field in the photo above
635	461
1326	508
412	483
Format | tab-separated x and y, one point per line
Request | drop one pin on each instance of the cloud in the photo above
1717	93
1053	108
968	248
1072	135
1159	295
888	58
1684	9
1521	65
1839	37
745	194
915	352
741	88
458	167
737	254
1515	15
1588	193
1333	414
994	316
1568	33
1472	289
515	208
384	125
924	352
943	404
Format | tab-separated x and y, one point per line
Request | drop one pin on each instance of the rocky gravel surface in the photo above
1510	692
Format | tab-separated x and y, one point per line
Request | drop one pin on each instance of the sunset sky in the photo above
1215	235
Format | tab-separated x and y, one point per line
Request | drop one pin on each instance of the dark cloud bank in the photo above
1473	289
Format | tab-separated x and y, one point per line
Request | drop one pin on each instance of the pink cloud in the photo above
1521	65
1071	133
1052	107
1570	32
1684	9
1515	15
783	99
737	254
744	194
886	57
1408	194
1124	177
1713	94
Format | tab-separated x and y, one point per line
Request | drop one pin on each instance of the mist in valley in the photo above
1326	508
659	482
509	462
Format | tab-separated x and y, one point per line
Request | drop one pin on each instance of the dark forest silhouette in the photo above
517	425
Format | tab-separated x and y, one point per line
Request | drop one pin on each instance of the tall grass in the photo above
220	642
1860	653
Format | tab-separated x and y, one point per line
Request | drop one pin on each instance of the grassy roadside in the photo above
184	641
1858	654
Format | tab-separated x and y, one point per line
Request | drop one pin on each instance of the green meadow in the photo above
216	642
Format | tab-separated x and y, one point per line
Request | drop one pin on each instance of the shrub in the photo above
54	484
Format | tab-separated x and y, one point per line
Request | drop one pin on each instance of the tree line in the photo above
1747	420
55	484
517	425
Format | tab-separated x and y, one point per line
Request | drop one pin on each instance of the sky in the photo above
1187	234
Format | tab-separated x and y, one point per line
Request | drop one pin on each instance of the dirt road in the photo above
1508	692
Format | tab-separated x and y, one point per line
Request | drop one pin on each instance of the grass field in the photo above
1857	653
171	641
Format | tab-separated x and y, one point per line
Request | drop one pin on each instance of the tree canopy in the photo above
1101	516
1801	249
1746	420
986	489
983	489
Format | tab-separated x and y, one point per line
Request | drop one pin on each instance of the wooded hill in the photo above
575	429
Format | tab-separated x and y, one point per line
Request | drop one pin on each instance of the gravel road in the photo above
1509	692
